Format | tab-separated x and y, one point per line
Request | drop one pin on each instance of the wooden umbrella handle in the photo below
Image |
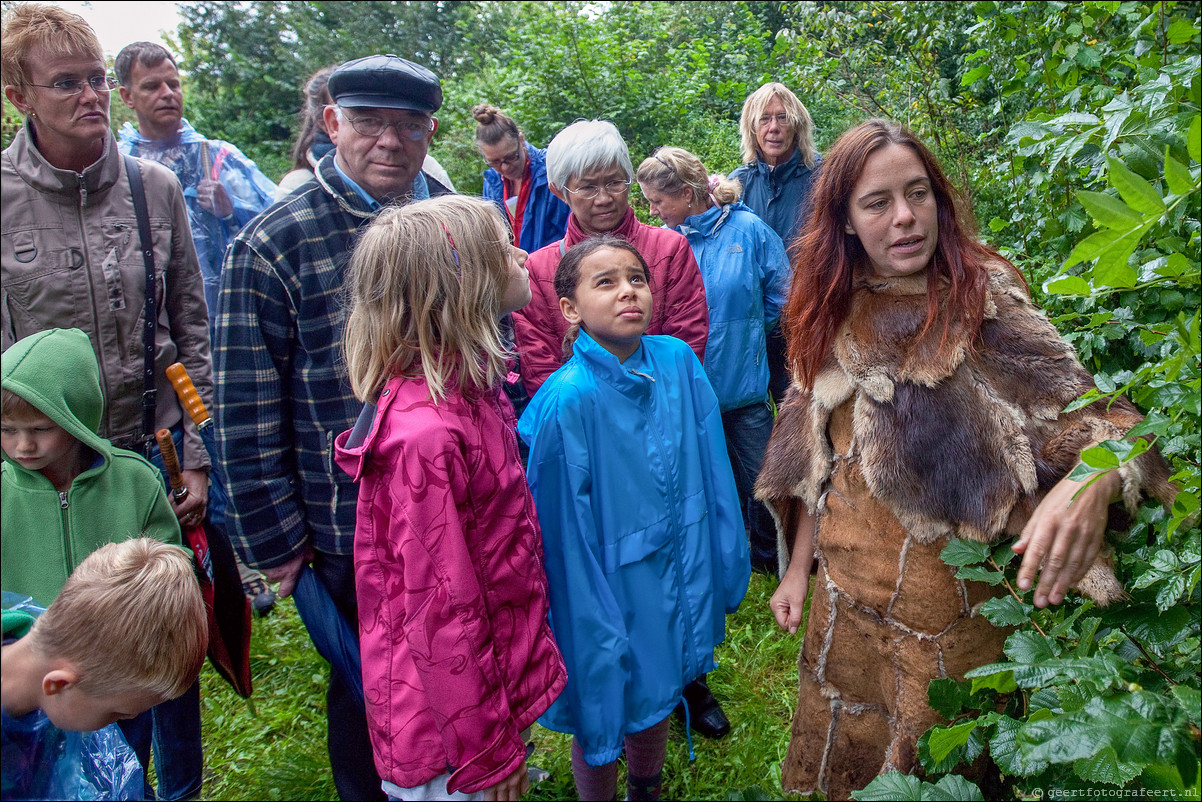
175	476
189	398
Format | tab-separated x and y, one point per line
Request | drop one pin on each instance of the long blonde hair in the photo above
425	287
799	119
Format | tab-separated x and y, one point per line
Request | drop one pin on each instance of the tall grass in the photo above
278	751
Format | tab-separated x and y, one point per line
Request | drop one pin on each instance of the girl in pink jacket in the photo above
458	657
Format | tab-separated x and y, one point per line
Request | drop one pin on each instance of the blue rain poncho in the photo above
249	191
644	542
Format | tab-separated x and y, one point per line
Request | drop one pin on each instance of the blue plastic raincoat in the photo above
746	277
643	538
249	191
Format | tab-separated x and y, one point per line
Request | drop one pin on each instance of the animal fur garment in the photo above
962	440
901	445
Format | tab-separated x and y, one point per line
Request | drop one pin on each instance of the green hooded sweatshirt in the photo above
45	533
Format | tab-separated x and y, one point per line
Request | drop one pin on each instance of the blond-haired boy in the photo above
128	631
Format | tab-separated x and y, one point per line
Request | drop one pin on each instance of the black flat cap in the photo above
386	82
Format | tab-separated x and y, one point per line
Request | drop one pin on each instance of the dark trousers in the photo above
747	431
778	370
351	760
174	729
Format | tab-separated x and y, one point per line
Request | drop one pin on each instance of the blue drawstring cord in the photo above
688	728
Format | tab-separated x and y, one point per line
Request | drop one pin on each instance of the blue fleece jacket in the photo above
746	277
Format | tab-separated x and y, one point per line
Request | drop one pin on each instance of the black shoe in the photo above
705	714
262	597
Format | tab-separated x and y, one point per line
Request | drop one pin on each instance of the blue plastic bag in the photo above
40	761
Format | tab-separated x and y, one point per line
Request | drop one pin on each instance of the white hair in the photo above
583	146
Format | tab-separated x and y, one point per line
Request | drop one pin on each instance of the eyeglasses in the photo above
375	126
589	191
782	120
74	86
508	161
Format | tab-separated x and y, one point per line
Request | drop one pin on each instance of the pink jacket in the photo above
458	656
678	296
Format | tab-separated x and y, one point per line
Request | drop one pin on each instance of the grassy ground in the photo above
276	748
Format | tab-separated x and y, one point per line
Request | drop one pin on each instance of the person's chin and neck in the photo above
381	169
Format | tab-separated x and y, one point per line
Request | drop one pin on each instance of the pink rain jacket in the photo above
458	656
677	296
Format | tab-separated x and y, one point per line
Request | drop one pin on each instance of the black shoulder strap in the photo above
149	393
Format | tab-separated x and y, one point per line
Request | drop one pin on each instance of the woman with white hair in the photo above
779	164
589	169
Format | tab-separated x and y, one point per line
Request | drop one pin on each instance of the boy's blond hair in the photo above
130	619
425	288
57	31
16	408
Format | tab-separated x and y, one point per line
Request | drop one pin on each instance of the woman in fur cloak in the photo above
925	404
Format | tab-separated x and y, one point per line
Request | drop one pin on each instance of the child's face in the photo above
517	290
70	708
35	443
613	301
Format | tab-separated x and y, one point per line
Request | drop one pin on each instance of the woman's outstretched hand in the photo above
1064	535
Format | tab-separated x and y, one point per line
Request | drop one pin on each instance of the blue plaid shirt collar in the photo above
421	190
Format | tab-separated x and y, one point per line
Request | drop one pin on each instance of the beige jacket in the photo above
70	257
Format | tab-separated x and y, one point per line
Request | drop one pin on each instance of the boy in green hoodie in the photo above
65	490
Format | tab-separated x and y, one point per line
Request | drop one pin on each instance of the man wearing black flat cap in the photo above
283	394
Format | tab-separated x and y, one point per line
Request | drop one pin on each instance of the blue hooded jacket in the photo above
643	538
546	216
746	276
780	195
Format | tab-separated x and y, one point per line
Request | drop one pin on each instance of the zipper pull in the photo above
62	499
644	375
83	192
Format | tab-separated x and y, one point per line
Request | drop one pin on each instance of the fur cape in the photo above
957	437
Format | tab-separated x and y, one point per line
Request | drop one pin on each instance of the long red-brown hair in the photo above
826	258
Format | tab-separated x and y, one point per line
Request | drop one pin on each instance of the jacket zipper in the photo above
677	561
68	553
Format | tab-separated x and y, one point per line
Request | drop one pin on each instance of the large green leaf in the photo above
1138	193
1025	646
947	696
1068	285
1105	767
1177	176
952	788
1109	211
944	739
979	573
1135	725
1005	751
891	787
964	552
1006	611
1191	702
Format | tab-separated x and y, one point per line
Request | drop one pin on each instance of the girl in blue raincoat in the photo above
642	532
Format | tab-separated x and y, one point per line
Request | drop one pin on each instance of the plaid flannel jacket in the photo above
282	393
